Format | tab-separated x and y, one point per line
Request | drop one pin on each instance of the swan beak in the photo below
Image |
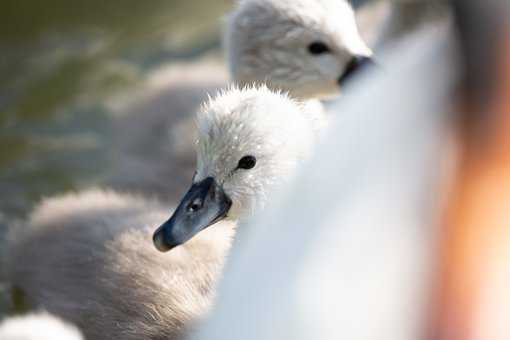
204	204
356	64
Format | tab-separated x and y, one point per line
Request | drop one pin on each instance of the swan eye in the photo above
247	162
318	47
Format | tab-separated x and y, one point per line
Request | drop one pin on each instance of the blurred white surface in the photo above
346	252
41	326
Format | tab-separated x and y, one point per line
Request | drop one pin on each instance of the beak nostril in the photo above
195	205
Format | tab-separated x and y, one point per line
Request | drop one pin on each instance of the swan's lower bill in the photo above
204	204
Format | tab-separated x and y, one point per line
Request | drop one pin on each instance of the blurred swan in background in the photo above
308	48
40	326
89	257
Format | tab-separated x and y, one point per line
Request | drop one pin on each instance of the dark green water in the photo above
60	62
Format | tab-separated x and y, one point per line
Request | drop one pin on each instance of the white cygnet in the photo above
306	47
90	257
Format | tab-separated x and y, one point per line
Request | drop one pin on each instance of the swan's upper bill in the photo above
306	47
249	142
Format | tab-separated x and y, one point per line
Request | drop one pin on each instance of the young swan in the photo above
305	47
40	326
89	257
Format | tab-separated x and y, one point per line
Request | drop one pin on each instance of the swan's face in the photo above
306	47
249	143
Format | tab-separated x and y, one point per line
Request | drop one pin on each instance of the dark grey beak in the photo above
204	204
356	64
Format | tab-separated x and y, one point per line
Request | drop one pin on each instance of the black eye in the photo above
247	162
318	47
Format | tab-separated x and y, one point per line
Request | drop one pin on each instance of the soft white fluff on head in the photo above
267	41
38	327
256	121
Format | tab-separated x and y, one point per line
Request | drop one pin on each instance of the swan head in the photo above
306	47
250	141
